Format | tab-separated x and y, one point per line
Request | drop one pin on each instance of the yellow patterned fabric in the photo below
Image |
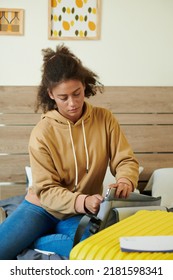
105	244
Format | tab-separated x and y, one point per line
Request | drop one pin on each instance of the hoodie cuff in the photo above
79	203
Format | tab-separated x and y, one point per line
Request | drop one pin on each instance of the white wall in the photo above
136	45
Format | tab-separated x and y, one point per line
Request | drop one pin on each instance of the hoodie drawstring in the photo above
74	153
85	144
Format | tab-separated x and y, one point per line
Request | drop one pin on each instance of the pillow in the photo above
161	184
140	169
28	176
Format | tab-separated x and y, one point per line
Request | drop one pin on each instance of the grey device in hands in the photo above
110	194
105	214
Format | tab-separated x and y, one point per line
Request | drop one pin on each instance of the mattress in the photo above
105	245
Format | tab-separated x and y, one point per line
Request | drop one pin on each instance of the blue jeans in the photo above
30	226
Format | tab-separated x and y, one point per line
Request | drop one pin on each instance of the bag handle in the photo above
84	222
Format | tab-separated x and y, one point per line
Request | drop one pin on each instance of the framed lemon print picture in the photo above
74	19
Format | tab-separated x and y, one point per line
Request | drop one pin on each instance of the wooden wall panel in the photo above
136	99
145	119
15	99
15	171
19	119
148	139
14	139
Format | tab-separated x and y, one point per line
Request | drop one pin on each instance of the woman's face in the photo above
69	98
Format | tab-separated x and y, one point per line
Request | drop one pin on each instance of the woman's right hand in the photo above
92	203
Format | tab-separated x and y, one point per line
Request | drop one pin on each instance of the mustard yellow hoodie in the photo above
68	160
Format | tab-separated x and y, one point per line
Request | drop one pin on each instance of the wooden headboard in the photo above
144	113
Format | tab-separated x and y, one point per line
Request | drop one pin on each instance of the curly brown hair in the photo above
59	66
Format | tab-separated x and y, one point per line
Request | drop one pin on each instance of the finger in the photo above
99	197
129	190
121	191
115	185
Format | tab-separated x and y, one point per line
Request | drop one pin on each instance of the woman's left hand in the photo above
123	188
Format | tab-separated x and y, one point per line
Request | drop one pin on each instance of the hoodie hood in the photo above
55	115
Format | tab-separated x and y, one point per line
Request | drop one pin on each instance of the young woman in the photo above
70	149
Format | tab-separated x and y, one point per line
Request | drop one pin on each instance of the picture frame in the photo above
74	20
11	21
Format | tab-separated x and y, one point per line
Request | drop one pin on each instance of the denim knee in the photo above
22	227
